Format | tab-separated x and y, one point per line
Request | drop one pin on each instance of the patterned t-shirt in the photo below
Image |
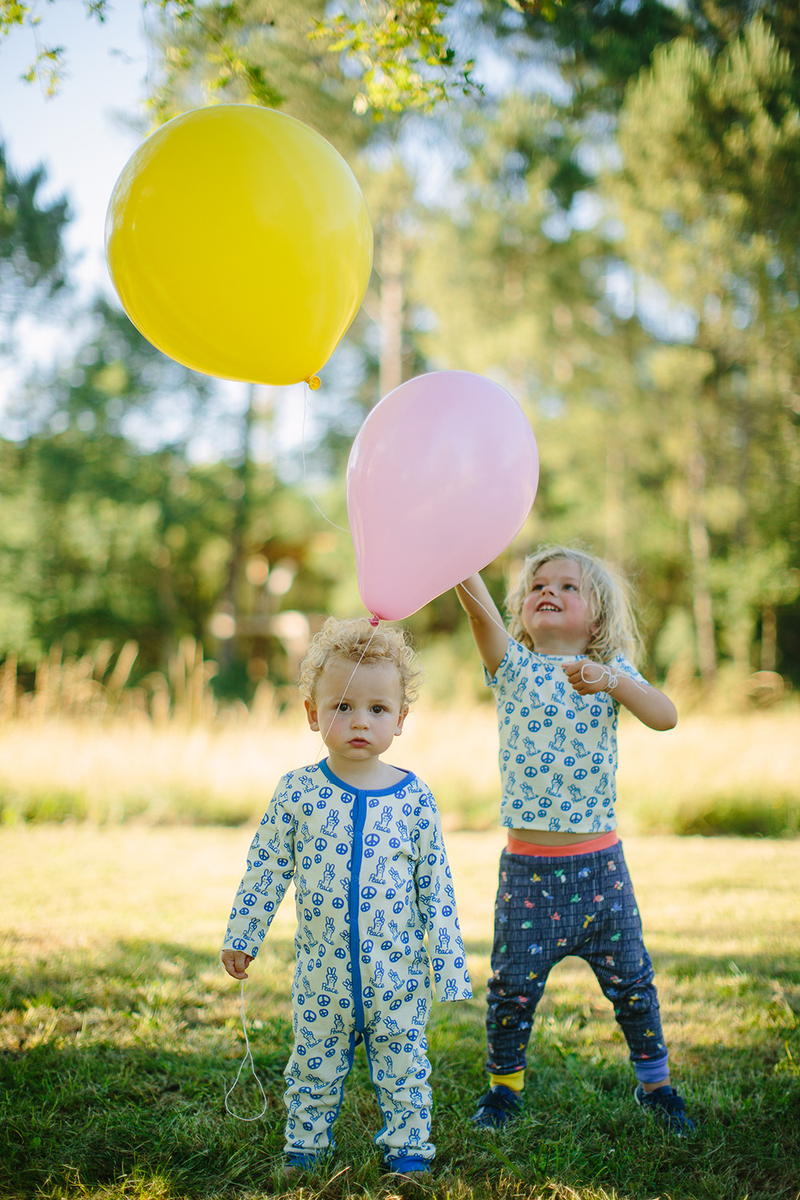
558	750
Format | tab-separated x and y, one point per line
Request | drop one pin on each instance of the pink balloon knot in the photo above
374	621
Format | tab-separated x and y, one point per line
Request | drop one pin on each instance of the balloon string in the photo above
248	1055
489	614
344	693
305	475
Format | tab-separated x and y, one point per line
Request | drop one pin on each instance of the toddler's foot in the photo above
667	1107
295	1166
499	1106
409	1170
408	1165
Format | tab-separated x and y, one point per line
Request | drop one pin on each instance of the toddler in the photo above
362	842
559	677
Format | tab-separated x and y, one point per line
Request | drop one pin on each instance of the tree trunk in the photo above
769	638
241	511
391	310
614	532
699	546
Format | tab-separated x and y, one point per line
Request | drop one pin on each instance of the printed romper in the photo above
371	878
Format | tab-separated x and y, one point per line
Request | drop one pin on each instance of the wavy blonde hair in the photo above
357	641
613	628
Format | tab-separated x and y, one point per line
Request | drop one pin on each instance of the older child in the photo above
362	842
559	680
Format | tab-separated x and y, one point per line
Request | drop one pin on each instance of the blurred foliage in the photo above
610	230
399	52
32	259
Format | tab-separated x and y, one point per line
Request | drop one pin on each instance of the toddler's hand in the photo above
236	963
588	677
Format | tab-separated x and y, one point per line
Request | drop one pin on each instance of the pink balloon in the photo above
441	477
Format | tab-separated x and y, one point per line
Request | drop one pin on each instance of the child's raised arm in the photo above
485	621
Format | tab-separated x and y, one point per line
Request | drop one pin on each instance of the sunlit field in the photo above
723	773
123	834
120	1033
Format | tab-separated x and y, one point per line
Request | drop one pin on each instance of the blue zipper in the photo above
359	817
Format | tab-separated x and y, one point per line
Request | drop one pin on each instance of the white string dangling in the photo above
489	614
346	686
248	1055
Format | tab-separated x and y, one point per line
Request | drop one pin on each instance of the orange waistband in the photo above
515	846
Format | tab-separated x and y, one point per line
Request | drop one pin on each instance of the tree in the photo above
32	258
399	51
109	528
711	168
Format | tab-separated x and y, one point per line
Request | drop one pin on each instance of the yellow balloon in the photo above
239	243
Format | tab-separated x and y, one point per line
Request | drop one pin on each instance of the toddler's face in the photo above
555	614
357	709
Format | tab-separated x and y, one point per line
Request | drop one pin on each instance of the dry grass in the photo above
86	744
714	773
723	773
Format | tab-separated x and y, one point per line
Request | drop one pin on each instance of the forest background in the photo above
594	205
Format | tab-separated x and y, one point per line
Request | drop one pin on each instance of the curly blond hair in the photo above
613	628
357	641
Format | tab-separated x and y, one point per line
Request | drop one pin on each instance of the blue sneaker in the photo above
667	1107
297	1165
408	1164
499	1106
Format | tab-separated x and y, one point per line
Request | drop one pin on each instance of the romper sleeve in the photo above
436	902
270	870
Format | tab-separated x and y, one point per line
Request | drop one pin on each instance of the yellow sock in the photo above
516	1081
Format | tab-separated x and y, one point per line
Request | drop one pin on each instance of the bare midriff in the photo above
544	837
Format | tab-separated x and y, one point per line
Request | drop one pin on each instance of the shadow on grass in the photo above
115	1066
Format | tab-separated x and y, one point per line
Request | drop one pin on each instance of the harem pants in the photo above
547	909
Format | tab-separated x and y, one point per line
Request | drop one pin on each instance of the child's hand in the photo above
236	963
587	677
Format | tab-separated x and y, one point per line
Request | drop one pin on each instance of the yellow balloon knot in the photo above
313	382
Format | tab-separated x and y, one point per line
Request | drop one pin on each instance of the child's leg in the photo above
525	949
624	971
398	1062
315	1076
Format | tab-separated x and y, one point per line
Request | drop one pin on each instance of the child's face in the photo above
358	717
555	615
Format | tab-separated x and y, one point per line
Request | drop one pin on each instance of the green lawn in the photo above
120	1033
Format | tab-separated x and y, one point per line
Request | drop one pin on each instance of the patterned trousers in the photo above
396	1046
547	909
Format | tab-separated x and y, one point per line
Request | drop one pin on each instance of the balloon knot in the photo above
374	621
313	382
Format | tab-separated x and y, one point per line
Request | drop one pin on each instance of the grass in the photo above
119	1033
727	773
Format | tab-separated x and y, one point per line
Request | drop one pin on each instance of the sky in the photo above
83	138
78	135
